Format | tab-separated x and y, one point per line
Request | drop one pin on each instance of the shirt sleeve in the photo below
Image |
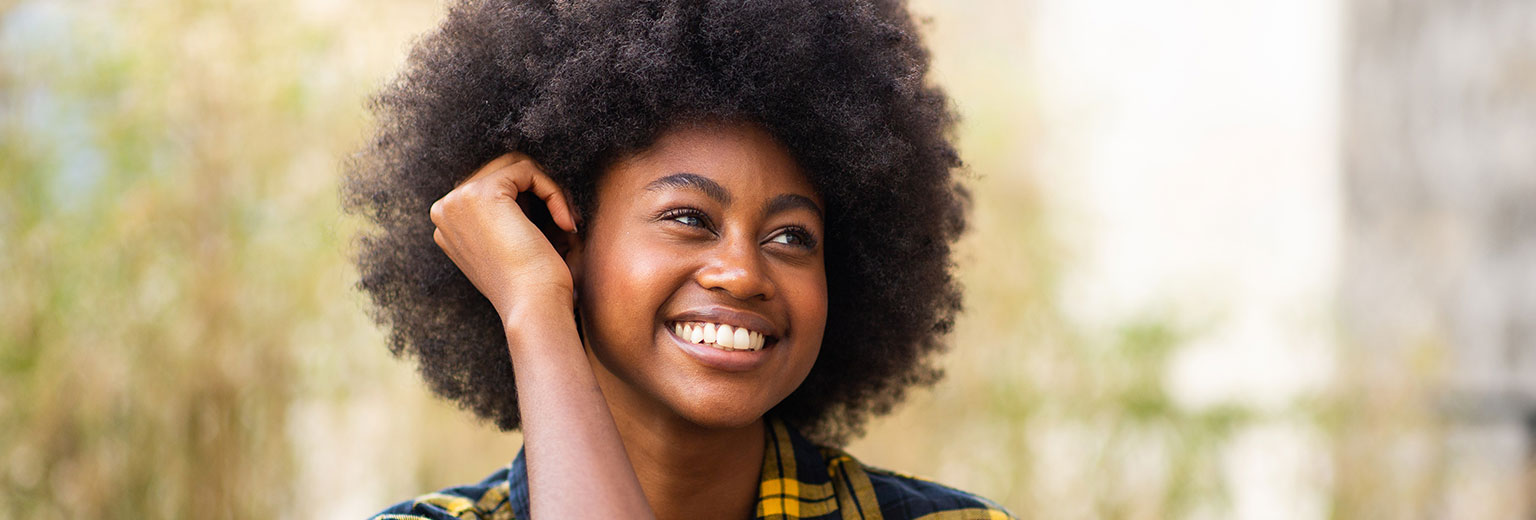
487	501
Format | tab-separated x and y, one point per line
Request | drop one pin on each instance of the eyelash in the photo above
799	232
677	213
807	240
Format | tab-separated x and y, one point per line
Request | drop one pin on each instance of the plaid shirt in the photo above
799	481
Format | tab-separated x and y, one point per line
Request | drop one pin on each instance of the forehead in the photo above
742	157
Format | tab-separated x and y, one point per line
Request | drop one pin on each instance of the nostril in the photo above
743	278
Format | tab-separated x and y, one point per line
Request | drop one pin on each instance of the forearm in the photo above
577	467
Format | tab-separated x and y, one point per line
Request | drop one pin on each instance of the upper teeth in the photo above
724	337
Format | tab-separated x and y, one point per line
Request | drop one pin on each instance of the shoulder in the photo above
906	496
488	499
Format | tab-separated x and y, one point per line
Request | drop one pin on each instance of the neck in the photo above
686	470
689	472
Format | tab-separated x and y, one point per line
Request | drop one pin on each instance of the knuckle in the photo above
529	167
461	196
477	193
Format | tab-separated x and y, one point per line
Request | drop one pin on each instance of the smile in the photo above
720	336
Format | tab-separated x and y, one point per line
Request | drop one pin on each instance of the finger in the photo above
522	174
491	168
526	175
559	207
436	213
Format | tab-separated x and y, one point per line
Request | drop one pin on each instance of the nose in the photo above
736	267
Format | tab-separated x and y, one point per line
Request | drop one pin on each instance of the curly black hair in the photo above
577	85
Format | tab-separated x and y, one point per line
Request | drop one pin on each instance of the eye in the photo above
794	236
686	216
689	220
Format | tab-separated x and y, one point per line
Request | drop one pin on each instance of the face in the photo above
700	278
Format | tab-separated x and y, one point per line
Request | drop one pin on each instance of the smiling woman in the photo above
730	245
741	232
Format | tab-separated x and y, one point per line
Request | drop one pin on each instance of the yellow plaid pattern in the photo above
799	481
804	481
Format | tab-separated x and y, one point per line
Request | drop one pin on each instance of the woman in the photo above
692	230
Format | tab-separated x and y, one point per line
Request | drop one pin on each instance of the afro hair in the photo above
577	85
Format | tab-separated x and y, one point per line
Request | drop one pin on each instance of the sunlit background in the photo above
1229	259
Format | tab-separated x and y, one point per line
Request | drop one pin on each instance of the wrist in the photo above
542	322
534	303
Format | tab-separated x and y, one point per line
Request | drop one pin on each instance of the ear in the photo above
572	247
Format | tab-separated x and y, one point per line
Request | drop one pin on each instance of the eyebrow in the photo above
789	201
692	181
712	189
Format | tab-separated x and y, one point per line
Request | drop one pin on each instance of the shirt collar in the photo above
793	483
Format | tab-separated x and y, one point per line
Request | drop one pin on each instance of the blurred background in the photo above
1229	259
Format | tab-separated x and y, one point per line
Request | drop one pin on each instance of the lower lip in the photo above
724	360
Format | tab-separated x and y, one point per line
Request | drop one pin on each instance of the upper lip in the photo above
728	316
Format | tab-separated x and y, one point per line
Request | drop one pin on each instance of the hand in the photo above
578	449
485	233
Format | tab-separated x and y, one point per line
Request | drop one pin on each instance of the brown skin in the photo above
652	254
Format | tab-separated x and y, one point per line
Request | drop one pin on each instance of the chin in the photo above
720	414
725	423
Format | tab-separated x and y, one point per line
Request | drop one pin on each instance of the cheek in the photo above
807	295
813	307
623	287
